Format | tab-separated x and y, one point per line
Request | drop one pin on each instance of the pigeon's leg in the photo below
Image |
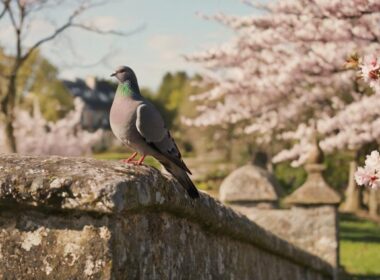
141	160
128	160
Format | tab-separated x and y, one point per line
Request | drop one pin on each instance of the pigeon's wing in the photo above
152	128
149	123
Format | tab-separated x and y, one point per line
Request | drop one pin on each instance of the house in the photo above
97	96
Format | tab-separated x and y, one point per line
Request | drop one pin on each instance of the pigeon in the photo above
139	125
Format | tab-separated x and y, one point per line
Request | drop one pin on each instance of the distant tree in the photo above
172	100
164	95
20	14
38	80
171	94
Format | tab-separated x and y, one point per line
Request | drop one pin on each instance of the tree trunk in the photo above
352	202
229	139
373	203
7	108
10	141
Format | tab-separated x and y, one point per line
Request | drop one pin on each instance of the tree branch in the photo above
108	32
102	61
256	5
5	7
11	16
70	23
59	30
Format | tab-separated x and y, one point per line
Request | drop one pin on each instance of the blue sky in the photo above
172	29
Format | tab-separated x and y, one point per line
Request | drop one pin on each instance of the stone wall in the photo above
76	218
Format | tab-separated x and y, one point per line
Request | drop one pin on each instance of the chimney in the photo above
91	82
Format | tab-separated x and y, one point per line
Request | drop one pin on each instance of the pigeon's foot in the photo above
129	160
135	162
141	160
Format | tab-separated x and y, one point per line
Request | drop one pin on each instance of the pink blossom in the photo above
369	175
362	176
372	161
370	71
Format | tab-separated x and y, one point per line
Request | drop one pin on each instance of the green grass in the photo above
118	156
359	246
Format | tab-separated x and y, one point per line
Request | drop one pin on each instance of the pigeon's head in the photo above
125	74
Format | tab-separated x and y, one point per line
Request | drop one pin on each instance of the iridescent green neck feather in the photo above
124	89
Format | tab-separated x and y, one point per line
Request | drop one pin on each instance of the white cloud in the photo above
168	47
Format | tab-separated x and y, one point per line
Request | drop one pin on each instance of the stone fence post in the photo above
318	201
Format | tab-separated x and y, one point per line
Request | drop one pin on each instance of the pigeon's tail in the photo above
182	178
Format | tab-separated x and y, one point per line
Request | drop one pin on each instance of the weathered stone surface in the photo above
313	229
249	183
35	245
186	251
76	218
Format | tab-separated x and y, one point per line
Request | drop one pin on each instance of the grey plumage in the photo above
139	125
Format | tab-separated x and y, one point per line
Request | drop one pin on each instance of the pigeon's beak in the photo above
113	74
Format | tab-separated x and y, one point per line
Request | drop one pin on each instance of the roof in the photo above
99	97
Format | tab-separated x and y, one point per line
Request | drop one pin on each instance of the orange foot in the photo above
141	160
129	160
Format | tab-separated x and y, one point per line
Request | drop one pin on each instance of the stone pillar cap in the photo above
249	183
315	191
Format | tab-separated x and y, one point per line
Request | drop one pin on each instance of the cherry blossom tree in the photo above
370	72
284	72
368	175
36	136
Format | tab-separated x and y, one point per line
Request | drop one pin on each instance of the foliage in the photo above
289	177
337	169
171	99
173	95
38	78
